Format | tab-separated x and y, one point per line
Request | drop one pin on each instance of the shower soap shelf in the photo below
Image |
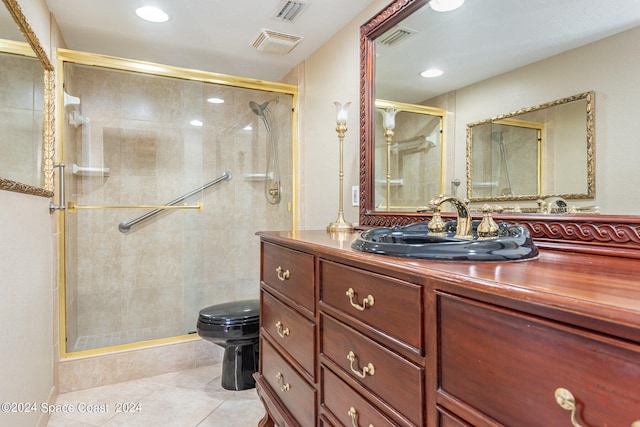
257	176
89	171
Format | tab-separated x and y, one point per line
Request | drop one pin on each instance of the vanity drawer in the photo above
446	420
347	405
395	380
289	272
298	397
508	366
397	308
278	415
295	333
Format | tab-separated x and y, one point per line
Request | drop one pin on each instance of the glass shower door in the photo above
134	142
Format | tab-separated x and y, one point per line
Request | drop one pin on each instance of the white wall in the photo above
332	73
610	67
38	17
28	292
26	304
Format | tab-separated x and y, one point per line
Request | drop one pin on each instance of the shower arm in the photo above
126	226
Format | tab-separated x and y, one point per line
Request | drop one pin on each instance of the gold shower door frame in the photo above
127	65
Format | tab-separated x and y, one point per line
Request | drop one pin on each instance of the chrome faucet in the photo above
463	228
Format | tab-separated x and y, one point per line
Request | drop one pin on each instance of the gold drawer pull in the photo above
368	300
281	332
284	386
282	274
565	399
354	417
369	369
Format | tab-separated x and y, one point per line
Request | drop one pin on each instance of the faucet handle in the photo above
487	227
436	224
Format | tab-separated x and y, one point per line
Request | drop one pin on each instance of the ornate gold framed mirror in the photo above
29	139
570	69
534	153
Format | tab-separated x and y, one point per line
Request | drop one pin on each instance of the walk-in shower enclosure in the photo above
136	136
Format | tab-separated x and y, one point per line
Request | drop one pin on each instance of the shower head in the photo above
258	109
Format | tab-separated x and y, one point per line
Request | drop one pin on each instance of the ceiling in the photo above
209	35
484	38
487	37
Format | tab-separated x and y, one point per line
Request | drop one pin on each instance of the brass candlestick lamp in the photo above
389	124
341	127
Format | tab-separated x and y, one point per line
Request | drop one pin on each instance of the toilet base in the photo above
239	363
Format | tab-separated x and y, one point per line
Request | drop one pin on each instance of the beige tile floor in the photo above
179	399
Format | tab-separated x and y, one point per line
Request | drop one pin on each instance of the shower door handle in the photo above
61	198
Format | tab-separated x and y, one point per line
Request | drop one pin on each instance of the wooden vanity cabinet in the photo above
498	365
286	380
371	347
352	339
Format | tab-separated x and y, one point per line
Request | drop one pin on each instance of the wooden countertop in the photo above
594	291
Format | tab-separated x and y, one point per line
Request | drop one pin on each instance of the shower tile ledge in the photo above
125	365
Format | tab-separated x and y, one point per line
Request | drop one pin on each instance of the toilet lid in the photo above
232	313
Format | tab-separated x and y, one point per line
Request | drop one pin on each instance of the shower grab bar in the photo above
126	226
73	208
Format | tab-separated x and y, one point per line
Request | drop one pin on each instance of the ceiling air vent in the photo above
395	35
290	10
275	42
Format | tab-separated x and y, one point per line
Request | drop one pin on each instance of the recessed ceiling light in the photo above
152	14
215	100
195	123
445	5
431	72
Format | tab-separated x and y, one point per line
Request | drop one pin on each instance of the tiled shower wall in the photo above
152	281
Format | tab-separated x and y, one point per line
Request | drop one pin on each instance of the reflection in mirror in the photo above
534	153
26	124
408	155
505	160
21	118
499	59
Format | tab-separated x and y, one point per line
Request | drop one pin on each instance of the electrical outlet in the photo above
355	195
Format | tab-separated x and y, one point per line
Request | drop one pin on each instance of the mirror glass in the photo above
498	57
26	118
534	153
22	113
408	155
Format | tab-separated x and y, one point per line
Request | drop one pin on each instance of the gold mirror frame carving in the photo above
591	161
48	131
617	235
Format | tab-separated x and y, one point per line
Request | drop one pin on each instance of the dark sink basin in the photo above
513	243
